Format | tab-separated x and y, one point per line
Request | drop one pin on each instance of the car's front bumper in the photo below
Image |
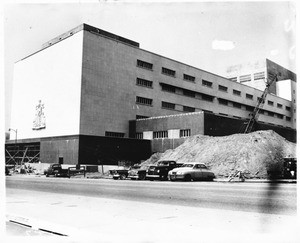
174	177
152	177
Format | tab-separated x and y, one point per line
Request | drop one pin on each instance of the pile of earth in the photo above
255	153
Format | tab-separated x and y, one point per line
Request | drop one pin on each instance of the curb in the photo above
41	225
292	181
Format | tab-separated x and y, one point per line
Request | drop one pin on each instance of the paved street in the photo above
114	210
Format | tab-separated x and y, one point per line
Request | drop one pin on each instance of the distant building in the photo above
91	97
255	74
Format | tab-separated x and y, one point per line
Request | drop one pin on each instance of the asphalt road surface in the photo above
267	198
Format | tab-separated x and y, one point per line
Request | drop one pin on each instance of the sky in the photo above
207	35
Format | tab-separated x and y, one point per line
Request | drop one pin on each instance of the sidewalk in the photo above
87	219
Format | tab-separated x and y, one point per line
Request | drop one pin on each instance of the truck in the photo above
57	171
161	170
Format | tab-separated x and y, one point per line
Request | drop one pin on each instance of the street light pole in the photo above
16	138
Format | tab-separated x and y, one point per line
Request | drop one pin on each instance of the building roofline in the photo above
79	28
126	41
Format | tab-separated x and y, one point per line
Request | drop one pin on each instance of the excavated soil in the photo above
254	154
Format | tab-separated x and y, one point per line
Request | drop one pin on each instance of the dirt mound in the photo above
254	153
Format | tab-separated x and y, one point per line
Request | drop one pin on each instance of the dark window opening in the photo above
188	109
167	105
141	117
223	102
168	88
114	134
207	97
144	82
249	96
237	92
223	88
189	93
143	101
168	72
237	105
188	78
207	83
143	64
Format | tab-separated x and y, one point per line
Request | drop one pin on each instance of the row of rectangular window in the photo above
186	92
147	83
164	134
114	134
164	70
160	134
190	93
262	112
206	83
249	108
185	133
249	96
247	77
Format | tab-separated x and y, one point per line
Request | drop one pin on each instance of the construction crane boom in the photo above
254	115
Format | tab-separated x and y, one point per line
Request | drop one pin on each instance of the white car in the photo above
191	171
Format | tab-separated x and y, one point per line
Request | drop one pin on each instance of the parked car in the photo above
138	172
160	171
120	173
191	171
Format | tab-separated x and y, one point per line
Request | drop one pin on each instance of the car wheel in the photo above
142	177
122	177
187	177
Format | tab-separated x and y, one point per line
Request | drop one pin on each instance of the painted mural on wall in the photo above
40	120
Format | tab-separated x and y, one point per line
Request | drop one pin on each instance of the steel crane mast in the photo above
254	115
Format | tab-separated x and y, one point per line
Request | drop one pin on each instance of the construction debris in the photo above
254	155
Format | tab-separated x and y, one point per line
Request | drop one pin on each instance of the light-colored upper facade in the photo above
91	82
47	91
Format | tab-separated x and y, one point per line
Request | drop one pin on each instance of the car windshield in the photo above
187	165
135	167
163	163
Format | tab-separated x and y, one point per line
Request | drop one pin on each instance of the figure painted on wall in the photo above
40	120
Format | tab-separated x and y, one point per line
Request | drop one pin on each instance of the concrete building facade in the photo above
87	84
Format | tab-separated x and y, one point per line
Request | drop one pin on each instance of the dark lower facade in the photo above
77	149
215	125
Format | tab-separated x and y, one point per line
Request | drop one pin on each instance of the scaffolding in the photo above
18	154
